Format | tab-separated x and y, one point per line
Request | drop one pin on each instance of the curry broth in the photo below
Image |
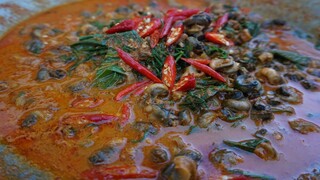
67	158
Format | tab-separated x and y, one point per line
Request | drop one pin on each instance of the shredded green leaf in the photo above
236	124
198	99
236	117
99	49
159	54
247	145
182	52
251	174
210	50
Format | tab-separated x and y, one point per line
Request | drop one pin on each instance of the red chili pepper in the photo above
154	38
175	34
179	18
126	25
166	27
118	172
206	69
185	12
186	83
129	89
148	26
220	22
208	9
169	72
172	10
141	89
202	61
126	112
137	66
86	102
96	118
218	39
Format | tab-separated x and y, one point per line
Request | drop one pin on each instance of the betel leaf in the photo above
251	174
295	58
89	46
111	56
109	76
248	145
123	39
99	49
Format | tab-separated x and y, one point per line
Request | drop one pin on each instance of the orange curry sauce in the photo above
67	158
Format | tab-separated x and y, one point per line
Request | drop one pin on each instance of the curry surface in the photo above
67	158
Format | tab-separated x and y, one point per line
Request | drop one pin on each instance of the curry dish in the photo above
118	90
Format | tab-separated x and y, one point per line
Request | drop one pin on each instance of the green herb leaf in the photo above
182	52
89	46
98	24
295	58
210	50
247	145
159	54
109	76
253	27
111	56
123	39
251	174
98	48
203	83
198	99
231	116
203	95
236	124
